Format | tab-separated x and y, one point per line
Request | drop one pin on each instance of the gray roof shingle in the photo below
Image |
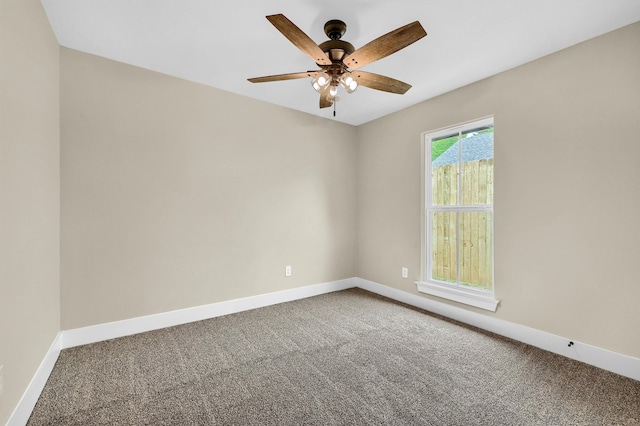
476	147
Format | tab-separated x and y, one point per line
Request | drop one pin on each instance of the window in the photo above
459	214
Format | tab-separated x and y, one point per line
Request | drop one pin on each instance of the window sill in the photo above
478	300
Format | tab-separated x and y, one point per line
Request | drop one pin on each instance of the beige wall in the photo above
176	195
29	195
567	146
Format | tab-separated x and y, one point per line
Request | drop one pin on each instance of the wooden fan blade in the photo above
380	82
326	100
281	77
299	39
385	45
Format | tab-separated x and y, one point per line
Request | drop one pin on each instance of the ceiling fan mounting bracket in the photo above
335	29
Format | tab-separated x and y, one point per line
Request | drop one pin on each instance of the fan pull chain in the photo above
334	108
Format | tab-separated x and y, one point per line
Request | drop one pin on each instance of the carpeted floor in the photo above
344	358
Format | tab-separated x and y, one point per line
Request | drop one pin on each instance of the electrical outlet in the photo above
287	271
405	273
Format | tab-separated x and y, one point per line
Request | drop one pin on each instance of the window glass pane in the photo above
444	171
477	166
444	246
476	253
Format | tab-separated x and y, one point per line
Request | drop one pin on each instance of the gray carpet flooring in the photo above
344	358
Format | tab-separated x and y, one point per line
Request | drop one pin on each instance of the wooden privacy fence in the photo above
476	236
477	183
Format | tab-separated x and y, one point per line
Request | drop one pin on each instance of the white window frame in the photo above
451	291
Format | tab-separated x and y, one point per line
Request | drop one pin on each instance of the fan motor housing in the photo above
337	49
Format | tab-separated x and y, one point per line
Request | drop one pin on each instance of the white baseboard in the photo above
602	358
23	410
112	330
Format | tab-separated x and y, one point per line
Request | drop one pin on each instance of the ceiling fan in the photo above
338	59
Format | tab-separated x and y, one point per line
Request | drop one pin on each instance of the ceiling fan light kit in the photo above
338	59
322	80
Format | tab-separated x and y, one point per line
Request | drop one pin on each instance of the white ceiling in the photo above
221	44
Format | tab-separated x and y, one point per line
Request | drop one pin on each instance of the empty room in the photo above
333	212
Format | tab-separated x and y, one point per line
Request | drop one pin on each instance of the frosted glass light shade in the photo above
320	81
348	82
